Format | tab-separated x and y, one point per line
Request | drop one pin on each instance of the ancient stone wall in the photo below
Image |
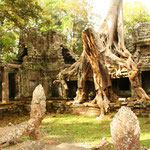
138	43
8	83
42	55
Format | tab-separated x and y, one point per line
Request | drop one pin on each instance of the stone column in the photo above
46	86
18	83
5	85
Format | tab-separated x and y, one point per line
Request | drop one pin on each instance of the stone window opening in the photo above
122	87
68	59
146	81
124	84
72	86
145	50
24	53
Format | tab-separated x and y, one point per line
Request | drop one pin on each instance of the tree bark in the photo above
115	50
83	74
101	50
110	49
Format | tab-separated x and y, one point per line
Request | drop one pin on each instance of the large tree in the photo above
101	50
16	15
69	17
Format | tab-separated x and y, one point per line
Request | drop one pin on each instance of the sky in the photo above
101	6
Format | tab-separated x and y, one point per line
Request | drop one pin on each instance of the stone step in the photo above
43	145
66	146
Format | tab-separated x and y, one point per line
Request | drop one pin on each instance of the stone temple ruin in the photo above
139	45
42	55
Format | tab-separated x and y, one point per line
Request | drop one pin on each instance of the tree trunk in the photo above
101	50
110	49
115	51
83	74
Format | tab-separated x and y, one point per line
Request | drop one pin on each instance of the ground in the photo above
78	130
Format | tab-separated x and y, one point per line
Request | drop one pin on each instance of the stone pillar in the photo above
62	92
5	85
46	86
18	83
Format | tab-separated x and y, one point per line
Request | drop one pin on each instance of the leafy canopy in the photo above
18	13
69	17
15	15
134	13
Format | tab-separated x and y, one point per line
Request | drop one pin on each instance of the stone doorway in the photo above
146	81
122	87
12	86
68	59
89	89
72	85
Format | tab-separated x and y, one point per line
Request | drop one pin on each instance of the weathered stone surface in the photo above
62	106
38	109
66	146
125	130
38	100
30	127
5	85
42	55
29	145
43	145
104	145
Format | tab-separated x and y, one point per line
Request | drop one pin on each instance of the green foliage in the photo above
87	130
7	41
8	44
8	56
69	17
134	13
15	15
18	13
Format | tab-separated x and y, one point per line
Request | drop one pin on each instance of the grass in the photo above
79	130
145	131
76	129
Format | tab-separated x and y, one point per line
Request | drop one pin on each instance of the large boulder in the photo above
125	130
